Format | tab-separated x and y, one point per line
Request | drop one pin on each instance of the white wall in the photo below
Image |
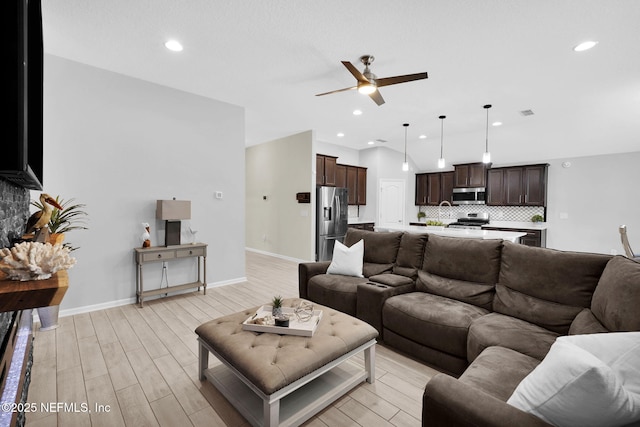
117	144
597	194
384	163
278	170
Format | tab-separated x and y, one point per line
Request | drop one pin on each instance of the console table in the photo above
160	253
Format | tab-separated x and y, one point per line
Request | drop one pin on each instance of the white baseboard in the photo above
287	258
127	301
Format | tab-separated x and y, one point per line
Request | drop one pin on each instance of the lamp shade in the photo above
173	209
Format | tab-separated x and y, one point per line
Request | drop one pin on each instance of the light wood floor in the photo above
140	365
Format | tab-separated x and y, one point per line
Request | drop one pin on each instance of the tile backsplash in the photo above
496	213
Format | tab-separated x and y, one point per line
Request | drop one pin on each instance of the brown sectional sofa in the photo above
487	311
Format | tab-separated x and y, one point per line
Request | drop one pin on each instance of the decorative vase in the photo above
276	311
48	317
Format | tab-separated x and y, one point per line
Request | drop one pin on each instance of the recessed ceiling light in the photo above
423	136
340	134
370	142
496	124
357	112
173	45
585	46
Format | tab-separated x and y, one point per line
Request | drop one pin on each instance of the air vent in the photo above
526	112
381	140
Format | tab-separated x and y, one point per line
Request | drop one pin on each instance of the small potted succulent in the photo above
421	216
537	218
276	306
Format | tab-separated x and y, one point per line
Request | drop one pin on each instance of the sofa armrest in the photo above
370	300
450	402
306	271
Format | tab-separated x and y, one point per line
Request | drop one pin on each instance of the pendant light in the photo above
405	164
441	162
486	157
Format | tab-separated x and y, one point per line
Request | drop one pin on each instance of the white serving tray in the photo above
296	327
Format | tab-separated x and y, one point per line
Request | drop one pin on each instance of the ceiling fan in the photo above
368	83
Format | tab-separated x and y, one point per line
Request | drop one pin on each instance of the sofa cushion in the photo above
505	331
472	260
545	286
498	371
586	323
616	299
431	320
335	291
585	380
347	260
392	280
410	254
371	268
478	294
379	248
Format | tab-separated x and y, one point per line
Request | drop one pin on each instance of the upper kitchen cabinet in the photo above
362	186
341	175
326	170
518	186
434	188
470	175
354	179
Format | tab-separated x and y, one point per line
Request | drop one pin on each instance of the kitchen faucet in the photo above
440	205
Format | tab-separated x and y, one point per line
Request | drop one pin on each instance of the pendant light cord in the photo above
406	125
441	132
486	147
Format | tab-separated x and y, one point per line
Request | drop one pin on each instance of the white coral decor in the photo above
35	261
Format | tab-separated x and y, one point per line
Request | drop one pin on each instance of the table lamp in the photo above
172	212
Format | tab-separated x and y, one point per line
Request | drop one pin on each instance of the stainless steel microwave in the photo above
469	196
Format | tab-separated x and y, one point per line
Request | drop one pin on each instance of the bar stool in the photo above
625	243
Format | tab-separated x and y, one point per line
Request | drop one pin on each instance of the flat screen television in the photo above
21	148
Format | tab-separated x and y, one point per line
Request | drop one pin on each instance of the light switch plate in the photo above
218	194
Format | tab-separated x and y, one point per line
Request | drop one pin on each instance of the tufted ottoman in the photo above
284	379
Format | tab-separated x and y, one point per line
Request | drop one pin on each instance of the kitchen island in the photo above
511	236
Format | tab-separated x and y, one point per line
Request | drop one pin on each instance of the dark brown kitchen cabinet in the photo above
354	179
537	238
341	175
433	188
362	186
470	175
422	190
517	186
369	226
352	185
326	170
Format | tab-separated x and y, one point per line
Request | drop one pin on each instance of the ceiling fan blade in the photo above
377	98
353	70
339	90
386	81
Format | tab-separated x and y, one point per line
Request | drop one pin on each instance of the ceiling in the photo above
272	56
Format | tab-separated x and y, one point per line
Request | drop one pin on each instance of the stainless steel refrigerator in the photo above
331	220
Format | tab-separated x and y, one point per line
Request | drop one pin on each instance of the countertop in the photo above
521	225
360	221
511	236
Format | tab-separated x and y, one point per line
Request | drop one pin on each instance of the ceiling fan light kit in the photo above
368	83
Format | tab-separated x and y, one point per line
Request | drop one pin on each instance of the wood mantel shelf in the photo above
17	295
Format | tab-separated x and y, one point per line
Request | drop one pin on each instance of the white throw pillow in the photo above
347	261
585	380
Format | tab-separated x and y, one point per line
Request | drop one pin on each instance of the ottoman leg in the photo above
203	361
370	363
271	413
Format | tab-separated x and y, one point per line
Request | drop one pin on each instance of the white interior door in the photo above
391	204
